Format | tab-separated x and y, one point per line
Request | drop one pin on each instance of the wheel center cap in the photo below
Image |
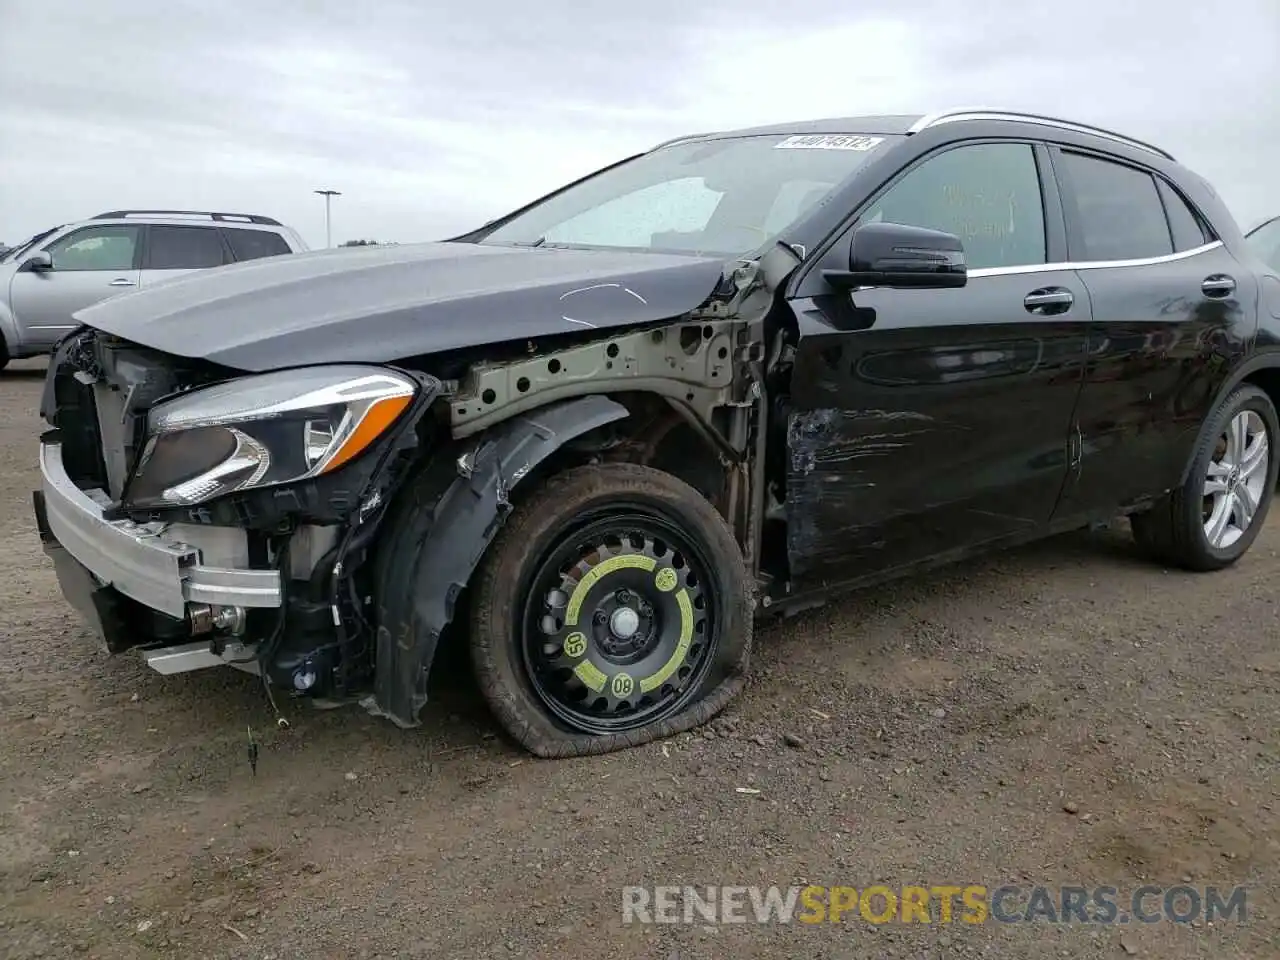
624	623
1233	478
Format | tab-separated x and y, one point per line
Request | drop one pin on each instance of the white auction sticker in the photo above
828	141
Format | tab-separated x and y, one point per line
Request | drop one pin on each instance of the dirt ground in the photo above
1065	714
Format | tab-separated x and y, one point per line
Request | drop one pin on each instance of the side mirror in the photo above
896	255
40	260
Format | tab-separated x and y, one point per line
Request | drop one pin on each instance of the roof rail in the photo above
978	113
231	217
681	139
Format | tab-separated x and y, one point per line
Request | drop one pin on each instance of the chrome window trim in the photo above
959	115
1094	264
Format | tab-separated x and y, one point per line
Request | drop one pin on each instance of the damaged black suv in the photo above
608	431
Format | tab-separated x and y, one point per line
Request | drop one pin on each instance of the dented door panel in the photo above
927	421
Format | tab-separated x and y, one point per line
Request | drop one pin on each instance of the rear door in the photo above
926	422
89	264
1169	302
173	250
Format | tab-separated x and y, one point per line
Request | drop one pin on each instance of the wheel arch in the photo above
1262	371
10	333
448	535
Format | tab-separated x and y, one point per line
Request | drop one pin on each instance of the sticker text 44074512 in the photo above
829	141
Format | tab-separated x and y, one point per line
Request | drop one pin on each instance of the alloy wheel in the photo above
1236	479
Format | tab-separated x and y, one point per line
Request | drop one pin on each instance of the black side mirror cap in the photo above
898	255
40	260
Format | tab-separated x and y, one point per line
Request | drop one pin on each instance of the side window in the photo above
96	248
1119	214
183	248
1265	241
1188	229
253	244
987	194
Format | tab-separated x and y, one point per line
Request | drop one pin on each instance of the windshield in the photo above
14	252
1265	241
724	197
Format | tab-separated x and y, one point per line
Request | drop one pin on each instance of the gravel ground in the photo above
1064	714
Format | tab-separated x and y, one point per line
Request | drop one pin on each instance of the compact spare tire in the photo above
1215	516
613	608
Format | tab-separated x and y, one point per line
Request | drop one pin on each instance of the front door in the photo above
926	422
89	264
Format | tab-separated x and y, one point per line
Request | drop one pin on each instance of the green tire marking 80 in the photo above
621	685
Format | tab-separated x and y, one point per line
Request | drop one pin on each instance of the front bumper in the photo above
136	560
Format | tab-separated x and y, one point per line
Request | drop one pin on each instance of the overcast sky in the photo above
432	118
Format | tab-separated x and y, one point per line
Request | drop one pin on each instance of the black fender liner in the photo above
440	534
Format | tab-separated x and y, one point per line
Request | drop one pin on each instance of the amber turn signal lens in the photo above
376	420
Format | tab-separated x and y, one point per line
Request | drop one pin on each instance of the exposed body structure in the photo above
608	431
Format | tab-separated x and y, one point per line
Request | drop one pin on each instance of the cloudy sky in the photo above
433	117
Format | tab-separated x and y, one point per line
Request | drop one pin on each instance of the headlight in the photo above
264	430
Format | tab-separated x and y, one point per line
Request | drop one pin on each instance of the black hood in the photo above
379	304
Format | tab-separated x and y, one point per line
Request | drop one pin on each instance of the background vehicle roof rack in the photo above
229	217
981	113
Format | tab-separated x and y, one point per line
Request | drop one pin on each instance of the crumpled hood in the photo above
379	304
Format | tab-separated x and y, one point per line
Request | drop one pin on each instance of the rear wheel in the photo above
612	609
1216	515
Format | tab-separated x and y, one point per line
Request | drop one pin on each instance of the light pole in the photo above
328	197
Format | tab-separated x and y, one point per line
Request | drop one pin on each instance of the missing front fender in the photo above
438	534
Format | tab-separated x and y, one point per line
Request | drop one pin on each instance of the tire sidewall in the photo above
1246	398
532	531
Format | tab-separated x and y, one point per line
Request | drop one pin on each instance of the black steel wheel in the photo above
612	608
616	623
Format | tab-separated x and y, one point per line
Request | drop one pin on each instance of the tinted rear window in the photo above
184	248
254	244
1189	230
1119	212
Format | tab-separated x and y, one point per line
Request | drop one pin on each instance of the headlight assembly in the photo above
264	430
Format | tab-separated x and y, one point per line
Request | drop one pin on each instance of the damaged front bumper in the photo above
271	579
135	582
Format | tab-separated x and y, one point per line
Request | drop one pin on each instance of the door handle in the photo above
122	282
1219	285
1049	300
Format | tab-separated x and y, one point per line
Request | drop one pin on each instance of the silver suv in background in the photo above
49	277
